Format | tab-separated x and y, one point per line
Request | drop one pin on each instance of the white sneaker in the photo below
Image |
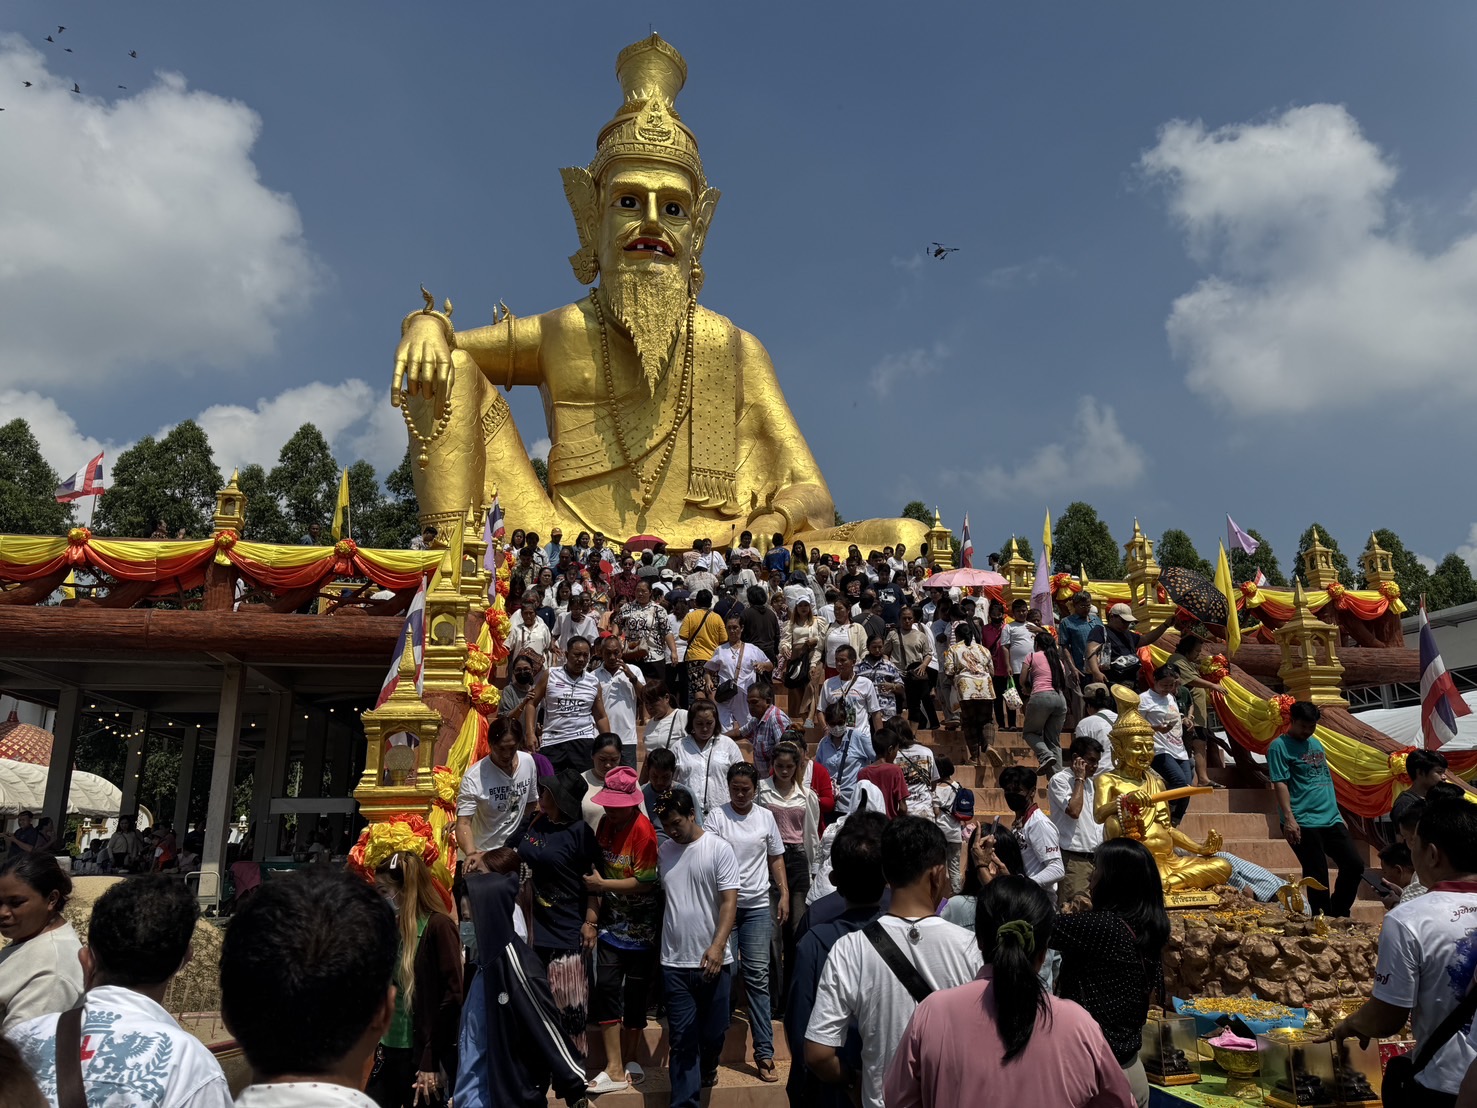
604	1083
634	1073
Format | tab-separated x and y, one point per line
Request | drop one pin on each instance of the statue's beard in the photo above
650	304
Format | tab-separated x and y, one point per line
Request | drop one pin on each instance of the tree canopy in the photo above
1451	584
28	504
1244	566
1080	540
173	479
1175	548
305	481
1340	560
916	509
264	519
1410	575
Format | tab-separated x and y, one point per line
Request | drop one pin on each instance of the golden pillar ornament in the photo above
1310	668
400	738
940	543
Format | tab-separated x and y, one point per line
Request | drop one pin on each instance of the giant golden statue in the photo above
663	416
1125	801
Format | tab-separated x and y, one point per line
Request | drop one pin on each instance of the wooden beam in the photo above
63	753
222	784
33	592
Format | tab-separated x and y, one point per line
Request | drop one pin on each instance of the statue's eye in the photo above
674	208
629	202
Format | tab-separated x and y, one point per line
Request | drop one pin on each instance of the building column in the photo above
340	778
133	765
271	766
186	782
222	782
63	754
315	752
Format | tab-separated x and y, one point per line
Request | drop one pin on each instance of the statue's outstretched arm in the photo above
507	352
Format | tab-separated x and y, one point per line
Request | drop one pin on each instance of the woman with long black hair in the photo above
1004	1031
39	970
1044	687
1110	954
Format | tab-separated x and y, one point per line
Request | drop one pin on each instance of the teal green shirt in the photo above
1302	766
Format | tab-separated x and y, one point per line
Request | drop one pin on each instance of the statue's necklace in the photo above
646	482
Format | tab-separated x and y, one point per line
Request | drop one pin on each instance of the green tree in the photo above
174	479
840	519
1340	562
28	504
1244	566
541	468
1451	584
1081	540
1410	575
398	516
916	509
264	519
1175	548
366	504
305	479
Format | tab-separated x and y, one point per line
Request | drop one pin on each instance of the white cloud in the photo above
1429	564
911	265
240	435
1034	272
135	231
1468	549
63	445
539	449
1097	456
1317	296
921	361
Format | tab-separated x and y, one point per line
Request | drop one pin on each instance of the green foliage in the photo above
366	504
174	479
916	509
1081	540
840	519
1244	566
28	503
1175	548
1023	547
1451	584
397	518
541	468
1410	575
305	480
1340	562
264	519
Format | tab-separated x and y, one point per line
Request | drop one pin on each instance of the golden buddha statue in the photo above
663	416
1126	802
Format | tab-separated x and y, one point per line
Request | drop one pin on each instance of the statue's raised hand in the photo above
1213	843
423	362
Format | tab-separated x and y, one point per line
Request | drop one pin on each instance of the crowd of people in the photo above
786	829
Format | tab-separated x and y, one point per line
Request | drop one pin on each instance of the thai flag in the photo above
1440	702
415	631
87	481
493	530
966	547
1260	580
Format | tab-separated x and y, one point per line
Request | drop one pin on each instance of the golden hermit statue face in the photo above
647	221
1133	752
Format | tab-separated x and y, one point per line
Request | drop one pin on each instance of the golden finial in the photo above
1137	534
1014	550
429	299
1299	601
938	521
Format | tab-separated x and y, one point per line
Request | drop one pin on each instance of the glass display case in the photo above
1297	1072
1169	1050
1358	1074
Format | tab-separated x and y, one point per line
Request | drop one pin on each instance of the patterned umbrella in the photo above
1195	594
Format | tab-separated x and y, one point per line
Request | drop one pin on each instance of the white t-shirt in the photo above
1020	641
674	628
921	772
1041	851
495	801
1159	709
735	663
567	627
40	975
302	1094
1098	726
836	636
704	772
857	987
619	692
134	1055
1426	959
945	794
692	877
861	699
533	638
667	732
1084	834
755	839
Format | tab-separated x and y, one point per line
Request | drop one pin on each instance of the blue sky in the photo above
1264	308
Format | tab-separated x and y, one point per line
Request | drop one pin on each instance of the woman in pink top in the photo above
1003	1035
1044	687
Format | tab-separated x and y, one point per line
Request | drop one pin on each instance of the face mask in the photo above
469	933
522	678
1017	803
836	730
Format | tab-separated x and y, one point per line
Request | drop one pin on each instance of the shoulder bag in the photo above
906	973
727	690
1400	1087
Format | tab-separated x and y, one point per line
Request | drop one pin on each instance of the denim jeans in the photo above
1044	715
1177	772
697	1020
752	935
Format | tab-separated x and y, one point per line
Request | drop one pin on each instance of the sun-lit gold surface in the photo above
664	417
1123	803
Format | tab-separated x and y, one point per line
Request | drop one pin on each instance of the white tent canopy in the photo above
23	788
1404	725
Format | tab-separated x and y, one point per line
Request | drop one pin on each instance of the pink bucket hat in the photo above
621	789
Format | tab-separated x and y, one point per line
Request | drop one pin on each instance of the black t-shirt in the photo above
559	854
762	629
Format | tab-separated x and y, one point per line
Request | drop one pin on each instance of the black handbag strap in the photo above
69	1090
1455	1020
904	970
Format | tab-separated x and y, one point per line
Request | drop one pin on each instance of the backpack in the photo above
963	807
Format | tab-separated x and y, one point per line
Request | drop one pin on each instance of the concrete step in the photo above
738	1087
654	1049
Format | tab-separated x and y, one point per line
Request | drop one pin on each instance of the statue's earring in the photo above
696	280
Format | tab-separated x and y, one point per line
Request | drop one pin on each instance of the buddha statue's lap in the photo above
663	417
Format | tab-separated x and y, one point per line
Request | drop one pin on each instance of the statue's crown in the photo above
647	126
1130	723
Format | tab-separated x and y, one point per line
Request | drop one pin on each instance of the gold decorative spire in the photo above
1310	668
647	125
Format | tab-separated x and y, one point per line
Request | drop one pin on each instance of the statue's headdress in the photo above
645	127
1130	723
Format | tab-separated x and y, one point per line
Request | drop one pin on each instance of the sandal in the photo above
767	1073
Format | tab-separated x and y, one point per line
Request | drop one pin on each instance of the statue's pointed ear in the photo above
583	196
702	219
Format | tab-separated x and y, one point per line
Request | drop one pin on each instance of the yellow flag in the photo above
69	586
1046	538
1227	589
341	512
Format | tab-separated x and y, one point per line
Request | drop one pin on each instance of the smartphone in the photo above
1376	881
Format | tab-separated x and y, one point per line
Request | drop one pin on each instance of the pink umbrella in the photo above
964	578
639	543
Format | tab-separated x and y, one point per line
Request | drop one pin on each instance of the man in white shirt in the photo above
620	689
575	623
496	793
1098	722
1426	954
134	1054
710	560
1018	637
700	877
1033	829
1078	834
857	988
307	989
863	709
527	633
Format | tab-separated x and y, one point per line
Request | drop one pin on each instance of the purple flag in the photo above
1238	539
1041	592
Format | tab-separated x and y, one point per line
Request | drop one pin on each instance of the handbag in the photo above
797	671
1401	1087
1012	697
727	690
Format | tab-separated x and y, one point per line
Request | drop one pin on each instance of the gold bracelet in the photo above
447	329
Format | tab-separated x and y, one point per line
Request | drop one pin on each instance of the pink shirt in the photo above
1040	672
952	1051
791	823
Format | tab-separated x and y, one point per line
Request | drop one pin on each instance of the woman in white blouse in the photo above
703	758
740	663
802	660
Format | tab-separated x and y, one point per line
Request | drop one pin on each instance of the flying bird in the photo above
68	49
133	53
26	84
59	30
123	86
939	250
75	88
50	39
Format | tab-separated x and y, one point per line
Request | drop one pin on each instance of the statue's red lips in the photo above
655	246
